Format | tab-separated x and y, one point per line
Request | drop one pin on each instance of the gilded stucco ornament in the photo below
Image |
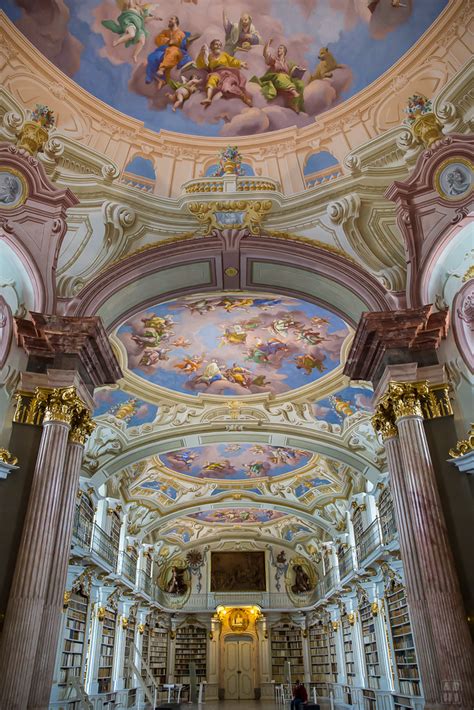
61	404
465	446
7	457
246	214
410	399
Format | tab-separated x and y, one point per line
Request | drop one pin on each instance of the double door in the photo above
238	669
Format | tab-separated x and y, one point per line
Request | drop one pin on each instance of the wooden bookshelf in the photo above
348	651
405	661
107	651
128	652
332	654
319	653
371	654
158	653
286	645
369	699
191	645
75	639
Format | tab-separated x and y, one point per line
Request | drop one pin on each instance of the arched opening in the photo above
320	168
140	173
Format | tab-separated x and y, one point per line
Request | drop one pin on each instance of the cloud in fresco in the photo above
233	115
45	24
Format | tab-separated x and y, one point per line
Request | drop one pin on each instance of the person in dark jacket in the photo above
300	696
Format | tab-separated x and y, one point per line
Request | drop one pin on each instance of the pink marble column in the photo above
437	597
420	619
40	690
30	581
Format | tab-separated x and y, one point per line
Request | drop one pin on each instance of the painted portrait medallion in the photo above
13	189
453	179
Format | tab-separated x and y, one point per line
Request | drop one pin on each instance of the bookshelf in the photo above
286	645
370	646
319	653
158	653
386	515
332	654
145	649
191	645
75	639
128	652
406	665
107	651
348	651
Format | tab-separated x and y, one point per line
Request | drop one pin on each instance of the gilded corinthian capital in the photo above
405	399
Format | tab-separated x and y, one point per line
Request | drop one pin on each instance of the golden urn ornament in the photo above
35	132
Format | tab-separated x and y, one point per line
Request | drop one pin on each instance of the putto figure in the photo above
241	35
130	24
224	74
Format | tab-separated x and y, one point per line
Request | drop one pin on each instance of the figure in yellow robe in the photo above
224	75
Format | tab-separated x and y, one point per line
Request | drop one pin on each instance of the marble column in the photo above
420	619
442	638
439	593
51	619
37	548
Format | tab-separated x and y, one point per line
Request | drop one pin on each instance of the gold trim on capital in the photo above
7	457
410	399
82	427
61	404
465	446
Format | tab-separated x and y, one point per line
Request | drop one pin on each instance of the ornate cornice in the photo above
381	338
82	339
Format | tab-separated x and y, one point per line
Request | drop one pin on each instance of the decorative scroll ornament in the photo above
66	599
410	399
465	446
101	613
7	457
141	629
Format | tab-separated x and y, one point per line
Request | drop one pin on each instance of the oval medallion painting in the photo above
233	344
12	188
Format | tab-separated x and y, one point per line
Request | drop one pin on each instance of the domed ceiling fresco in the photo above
221	68
235	461
233	344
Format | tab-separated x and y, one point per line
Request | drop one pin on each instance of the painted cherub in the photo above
184	90
130	24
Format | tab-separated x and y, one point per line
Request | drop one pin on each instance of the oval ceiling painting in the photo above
233	344
226	516
235	461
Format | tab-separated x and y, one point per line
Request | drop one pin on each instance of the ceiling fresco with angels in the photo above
219	68
247	516
235	461
233	344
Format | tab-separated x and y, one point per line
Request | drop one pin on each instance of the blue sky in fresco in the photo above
367	57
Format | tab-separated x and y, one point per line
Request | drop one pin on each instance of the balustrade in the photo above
128	567
369	540
82	529
346	563
102	545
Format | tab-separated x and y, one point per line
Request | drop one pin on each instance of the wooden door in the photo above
238	670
